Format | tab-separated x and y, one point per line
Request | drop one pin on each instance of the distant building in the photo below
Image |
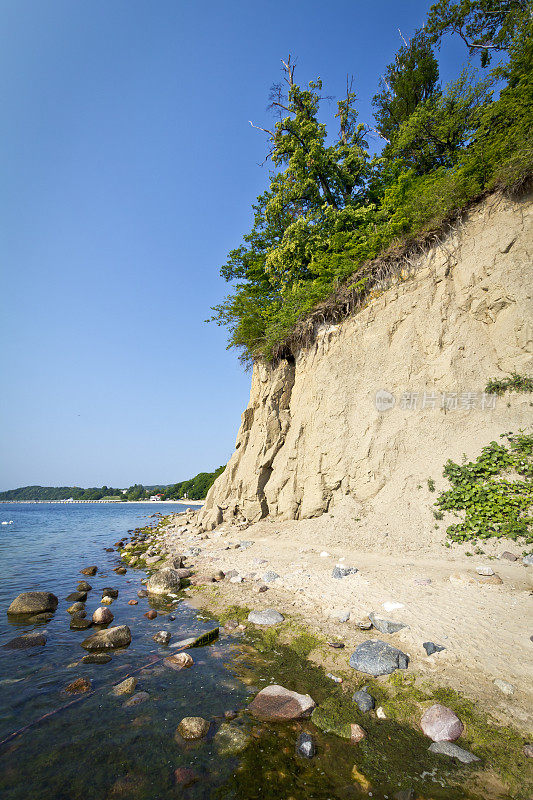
155	497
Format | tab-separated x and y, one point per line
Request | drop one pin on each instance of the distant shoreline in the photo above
121	502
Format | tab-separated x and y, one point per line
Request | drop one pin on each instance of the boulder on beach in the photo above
375	657
109	639
267	617
277	703
33	603
25	641
441	724
164	581
387	626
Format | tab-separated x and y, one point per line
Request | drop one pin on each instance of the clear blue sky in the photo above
128	168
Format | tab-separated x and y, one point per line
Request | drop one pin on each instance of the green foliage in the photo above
431	484
494	492
516	383
332	215
50	493
195	488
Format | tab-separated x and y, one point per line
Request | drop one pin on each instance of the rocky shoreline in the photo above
222	575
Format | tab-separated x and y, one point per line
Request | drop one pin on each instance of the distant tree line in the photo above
193	489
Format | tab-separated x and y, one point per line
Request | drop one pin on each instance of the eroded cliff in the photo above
378	403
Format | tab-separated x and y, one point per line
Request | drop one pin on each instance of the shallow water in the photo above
97	748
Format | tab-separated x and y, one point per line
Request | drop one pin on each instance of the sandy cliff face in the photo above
314	438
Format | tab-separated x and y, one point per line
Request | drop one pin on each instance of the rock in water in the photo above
83	586
109	639
96	658
378	658
454	751
79	623
152	614
81	596
25	641
33	603
269	616
161	637
102	616
142	593
364	700
79	686
231	739
126	686
305	746
77	608
277	703
441	724
385	625
193	727
110	592
179	661
89	571
135	699
164	581
184	776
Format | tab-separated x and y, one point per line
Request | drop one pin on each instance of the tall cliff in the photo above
378	403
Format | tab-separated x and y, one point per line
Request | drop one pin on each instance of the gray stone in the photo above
305	746
484	570
453	751
363	700
431	647
164	581
109	639
341	572
245	545
270	576
161	637
25	641
528	559
268	616
102	616
33	603
509	556
375	657
385	625
504	686
343	616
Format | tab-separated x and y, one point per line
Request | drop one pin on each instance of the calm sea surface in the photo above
98	749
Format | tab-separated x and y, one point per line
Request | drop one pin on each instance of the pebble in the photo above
305	746
357	733
193	727
454	751
343	616
484	571
380	713
340	571
161	637
89	570
431	647
364	624
261	589
324	554
270	576
179	661
392	606
333	677
387	626
509	556
364	701
528	559
336	645
236	579
422	581
504	686
183	776
133	602
152	614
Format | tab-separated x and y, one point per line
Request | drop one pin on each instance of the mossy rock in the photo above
333	716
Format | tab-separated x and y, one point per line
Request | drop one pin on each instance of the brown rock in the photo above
152	614
183	776
277	703
79	686
89	571
492	580
509	556
356	733
127	686
133	602
120	570
193	728
179	661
